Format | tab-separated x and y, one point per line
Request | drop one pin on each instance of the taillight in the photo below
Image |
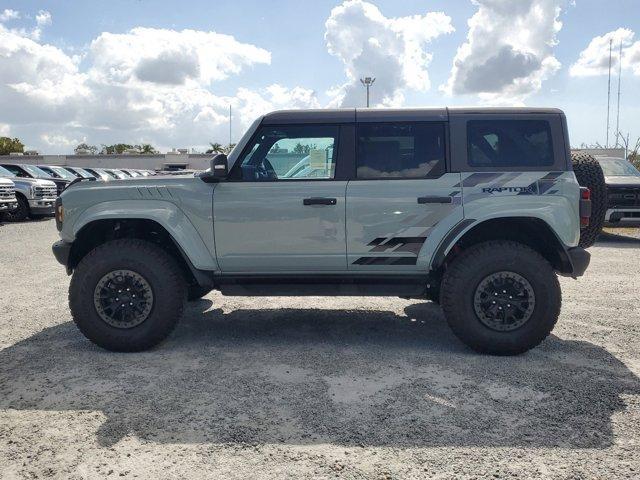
585	206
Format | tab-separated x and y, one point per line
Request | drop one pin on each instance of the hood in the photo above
59	181
622	181
31	182
6	182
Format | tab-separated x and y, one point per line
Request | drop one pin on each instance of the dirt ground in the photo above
317	387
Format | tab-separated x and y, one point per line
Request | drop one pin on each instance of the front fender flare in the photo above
166	214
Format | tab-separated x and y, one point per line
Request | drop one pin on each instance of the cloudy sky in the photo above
165	72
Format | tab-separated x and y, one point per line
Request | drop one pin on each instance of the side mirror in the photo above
218	169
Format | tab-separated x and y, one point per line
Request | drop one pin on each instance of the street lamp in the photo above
367	82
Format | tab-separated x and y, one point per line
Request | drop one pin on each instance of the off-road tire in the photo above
466	272
21	213
589	174
157	267
196	292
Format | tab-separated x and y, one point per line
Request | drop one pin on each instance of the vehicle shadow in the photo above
612	240
306	376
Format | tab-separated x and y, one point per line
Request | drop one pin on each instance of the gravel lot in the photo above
317	387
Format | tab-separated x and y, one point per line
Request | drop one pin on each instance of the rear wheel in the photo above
589	174
127	295
21	213
501	297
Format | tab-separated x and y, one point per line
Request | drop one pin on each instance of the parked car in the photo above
57	172
478	209
36	197
131	172
100	173
116	173
8	201
31	171
623	191
80	172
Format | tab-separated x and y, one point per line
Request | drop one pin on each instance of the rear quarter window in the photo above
509	143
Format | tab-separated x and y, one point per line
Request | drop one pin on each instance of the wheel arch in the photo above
531	231
99	231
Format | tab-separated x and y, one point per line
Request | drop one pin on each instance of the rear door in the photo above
283	208
401	201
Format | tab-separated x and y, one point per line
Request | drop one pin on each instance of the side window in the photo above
291	152
509	143
400	150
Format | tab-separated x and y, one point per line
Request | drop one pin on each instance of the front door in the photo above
402	200
283	209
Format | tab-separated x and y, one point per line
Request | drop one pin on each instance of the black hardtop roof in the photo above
346	115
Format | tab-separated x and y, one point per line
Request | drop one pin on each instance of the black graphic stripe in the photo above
386	261
400	244
376	241
478	178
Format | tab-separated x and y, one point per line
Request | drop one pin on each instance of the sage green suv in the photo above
477	209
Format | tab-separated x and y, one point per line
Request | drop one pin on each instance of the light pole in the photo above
367	82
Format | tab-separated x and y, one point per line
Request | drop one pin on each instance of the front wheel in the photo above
501	297
19	214
127	295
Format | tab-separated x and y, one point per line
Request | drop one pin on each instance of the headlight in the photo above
59	213
32	191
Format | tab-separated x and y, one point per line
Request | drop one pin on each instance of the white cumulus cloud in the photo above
594	60
393	50
171	57
146	85
509	50
9	14
43	18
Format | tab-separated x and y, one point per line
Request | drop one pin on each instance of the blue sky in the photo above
94	105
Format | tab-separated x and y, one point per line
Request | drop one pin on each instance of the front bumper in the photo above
579	259
8	206
44	210
62	250
622	215
42	206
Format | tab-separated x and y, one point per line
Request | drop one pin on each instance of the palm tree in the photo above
215	148
148	149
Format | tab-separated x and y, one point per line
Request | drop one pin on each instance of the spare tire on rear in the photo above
589	174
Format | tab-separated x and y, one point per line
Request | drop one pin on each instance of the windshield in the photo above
82	172
6	173
36	172
615	167
63	173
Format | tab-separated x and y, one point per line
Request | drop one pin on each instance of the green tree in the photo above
118	148
92	149
229	147
305	149
10	145
147	149
215	148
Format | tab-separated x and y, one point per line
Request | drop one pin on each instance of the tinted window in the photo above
290	153
618	168
400	150
509	143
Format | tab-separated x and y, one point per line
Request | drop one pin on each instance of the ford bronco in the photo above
477	209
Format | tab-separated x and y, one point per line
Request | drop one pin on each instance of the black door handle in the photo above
319	201
424	200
